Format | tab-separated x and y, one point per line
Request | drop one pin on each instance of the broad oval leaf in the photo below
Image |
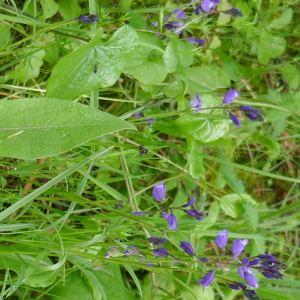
41	127
92	66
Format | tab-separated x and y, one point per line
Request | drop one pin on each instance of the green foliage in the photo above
45	127
92	65
72	172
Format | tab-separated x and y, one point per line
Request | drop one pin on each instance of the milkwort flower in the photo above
159	191
222	238
250	278
91	19
238	246
191	202
235	119
196	103
230	96
200	42
207	278
164	214
197	10
208	5
187	248
233	12
251	113
172	221
161	252
149	120
178	13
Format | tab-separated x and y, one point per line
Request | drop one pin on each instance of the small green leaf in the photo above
204	79
69	9
34	128
283	20
147	66
251	215
50	8
29	68
196	162
92	66
291	75
230	66
4	35
170	58
201	129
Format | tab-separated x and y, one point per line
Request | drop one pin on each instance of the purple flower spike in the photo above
230	96
187	248
164	214
196	103
197	10
238	246
251	279
207	279
172	26
199	42
159	191
235	119
91	19
172	221
180	14
208	5
222	238
161	252
233	12
191	202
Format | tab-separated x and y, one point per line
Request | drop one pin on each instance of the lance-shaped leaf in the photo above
92	66
35	128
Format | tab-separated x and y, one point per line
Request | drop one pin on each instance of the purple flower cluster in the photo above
250	294
149	120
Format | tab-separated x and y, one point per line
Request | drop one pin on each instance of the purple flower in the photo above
207	279
233	12
233	286
157	241
230	96
191	202
180	14
172	221
155	24
91	19
208	5
187	248
222	238
197	10
203	258
245	108
250	279
235	119
164	214
172	26
267	275
251	294
198	215
238	246
193	40
126	252
107	255
242	270
161	252
159	191
254	262
196	103
242	285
